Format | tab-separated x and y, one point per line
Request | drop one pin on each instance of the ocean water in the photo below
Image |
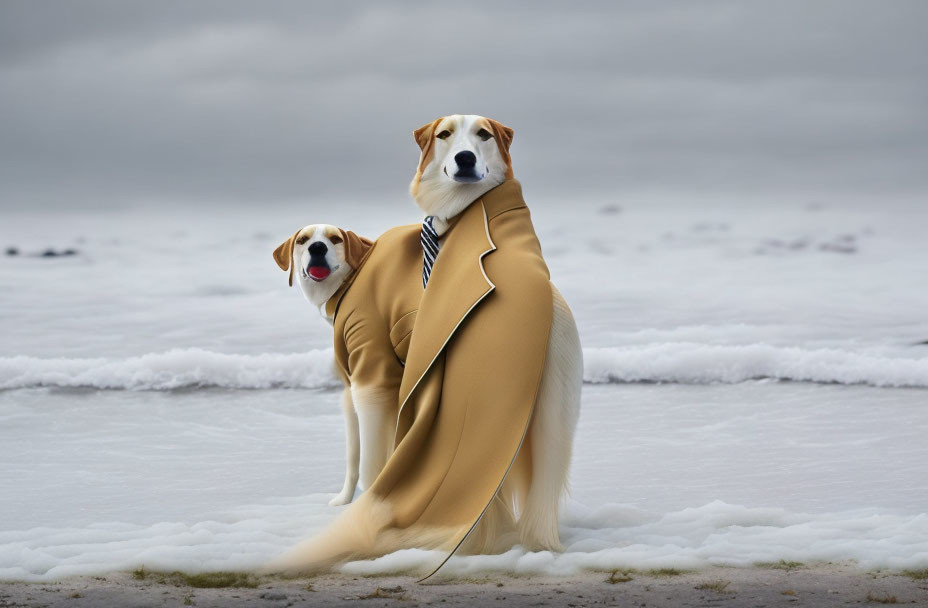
756	388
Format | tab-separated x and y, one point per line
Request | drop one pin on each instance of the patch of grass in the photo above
76	595
884	599
619	577
217	580
206	580
188	600
789	592
918	575
717	586
665	572
780	565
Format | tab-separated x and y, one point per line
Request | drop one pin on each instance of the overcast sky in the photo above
112	103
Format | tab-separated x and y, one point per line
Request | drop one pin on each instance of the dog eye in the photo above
484	134
302	240
335	239
444	134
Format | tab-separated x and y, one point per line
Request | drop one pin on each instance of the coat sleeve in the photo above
371	358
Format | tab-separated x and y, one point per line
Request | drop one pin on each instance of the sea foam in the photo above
671	362
610	537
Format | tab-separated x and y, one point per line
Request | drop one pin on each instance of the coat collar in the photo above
458	283
505	197
332	304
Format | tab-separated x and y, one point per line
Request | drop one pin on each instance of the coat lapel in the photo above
458	283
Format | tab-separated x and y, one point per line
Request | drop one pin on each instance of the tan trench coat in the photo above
468	390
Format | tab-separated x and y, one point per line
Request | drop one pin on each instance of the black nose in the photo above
465	159
318	248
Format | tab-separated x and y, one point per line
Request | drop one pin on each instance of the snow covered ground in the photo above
166	400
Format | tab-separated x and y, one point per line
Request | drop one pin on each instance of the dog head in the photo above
323	257
462	157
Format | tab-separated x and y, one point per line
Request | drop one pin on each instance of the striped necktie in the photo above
430	247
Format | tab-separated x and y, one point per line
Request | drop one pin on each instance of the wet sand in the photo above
759	587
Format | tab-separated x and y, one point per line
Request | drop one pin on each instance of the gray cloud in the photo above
113	103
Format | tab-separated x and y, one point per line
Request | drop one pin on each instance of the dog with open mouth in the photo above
370	295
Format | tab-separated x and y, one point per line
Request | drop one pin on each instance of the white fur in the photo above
370	417
437	192
352	451
552	431
376	411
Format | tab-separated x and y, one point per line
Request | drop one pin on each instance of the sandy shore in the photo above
825	585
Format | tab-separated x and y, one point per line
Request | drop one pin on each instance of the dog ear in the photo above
283	255
423	134
356	247
502	133
503	136
425	137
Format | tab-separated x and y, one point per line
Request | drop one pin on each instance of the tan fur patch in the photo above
359	532
503	136
332	232
355	247
425	137
283	255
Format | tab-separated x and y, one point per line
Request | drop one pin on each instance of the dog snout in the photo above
465	159
318	248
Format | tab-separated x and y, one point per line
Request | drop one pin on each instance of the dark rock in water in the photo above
11	251
51	253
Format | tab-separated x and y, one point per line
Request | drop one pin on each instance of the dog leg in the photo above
376	407
352	451
552	431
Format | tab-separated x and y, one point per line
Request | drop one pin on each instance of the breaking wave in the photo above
693	363
174	369
676	362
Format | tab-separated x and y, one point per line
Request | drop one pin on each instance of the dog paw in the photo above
341	499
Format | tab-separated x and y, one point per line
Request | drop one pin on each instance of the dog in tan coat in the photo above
463	157
370	297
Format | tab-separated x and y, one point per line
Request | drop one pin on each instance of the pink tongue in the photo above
319	272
